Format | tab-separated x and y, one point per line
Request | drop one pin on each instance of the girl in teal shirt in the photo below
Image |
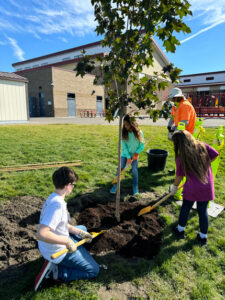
132	146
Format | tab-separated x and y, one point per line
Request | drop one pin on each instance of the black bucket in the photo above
157	159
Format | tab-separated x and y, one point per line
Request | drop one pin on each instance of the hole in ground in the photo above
133	236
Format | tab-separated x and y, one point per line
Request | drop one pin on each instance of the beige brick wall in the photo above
40	81
65	81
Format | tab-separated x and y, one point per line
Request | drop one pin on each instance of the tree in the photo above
127	27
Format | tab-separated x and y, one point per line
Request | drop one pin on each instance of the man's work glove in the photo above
71	246
173	189
135	157
129	161
85	235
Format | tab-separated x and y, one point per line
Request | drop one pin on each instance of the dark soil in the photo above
18	226
132	236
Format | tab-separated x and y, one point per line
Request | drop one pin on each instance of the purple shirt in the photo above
195	190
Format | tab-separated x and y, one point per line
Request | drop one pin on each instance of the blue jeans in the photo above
78	265
202	213
134	169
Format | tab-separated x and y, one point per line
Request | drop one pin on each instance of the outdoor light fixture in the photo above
93	92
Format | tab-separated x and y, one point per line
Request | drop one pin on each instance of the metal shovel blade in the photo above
147	209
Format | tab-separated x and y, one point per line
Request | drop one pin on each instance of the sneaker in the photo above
202	241
47	269
135	190
178	234
113	189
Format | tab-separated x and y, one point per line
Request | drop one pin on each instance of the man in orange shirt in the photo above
183	112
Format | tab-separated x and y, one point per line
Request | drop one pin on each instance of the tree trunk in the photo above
117	213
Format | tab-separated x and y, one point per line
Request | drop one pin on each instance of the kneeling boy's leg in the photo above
78	265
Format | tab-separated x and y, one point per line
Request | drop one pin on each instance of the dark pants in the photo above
202	213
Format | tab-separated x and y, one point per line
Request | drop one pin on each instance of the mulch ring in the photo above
132	236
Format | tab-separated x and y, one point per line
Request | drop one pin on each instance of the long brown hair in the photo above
134	125
193	155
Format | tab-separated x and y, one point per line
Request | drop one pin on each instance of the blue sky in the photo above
31	28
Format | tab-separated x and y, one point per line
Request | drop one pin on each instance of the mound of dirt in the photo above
18	226
133	236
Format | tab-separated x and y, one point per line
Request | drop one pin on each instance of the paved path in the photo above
208	122
213	122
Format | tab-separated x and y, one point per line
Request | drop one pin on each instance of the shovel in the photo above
149	208
121	174
94	234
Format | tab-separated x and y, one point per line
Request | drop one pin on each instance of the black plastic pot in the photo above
157	159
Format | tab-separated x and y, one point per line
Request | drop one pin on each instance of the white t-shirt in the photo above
55	215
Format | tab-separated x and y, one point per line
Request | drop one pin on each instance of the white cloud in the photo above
48	17
17	50
211	13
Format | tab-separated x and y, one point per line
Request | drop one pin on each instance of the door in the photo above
32	107
99	106
71	104
41	104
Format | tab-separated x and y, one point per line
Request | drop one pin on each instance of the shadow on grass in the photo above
100	195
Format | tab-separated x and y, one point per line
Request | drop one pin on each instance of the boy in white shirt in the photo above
55	233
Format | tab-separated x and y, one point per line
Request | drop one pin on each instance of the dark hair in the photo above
193	155
63	176
134	125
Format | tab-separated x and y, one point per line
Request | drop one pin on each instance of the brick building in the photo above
55	91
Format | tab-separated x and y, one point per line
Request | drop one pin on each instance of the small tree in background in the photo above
128	27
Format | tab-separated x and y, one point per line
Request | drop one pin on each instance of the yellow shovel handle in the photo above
121	177
57	254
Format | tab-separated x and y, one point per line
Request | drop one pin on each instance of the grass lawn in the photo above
182	269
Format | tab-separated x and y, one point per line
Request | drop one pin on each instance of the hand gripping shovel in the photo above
149	208
57	254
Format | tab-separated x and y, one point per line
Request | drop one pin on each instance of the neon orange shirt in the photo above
186	112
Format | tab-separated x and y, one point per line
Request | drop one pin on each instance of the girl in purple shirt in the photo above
193	160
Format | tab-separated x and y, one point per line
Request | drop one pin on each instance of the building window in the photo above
44	64
70	96
35	66
99	98
209	78
187	80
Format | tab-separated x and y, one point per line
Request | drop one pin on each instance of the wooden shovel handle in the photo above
164	199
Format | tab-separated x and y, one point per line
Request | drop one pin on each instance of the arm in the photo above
73	229
125	150
45	234
177	180
83	234
174	187
141	145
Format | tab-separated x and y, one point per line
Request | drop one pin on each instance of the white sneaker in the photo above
45	272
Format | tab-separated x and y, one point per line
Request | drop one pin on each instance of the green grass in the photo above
182	270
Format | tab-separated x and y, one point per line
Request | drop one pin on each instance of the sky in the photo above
32	28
